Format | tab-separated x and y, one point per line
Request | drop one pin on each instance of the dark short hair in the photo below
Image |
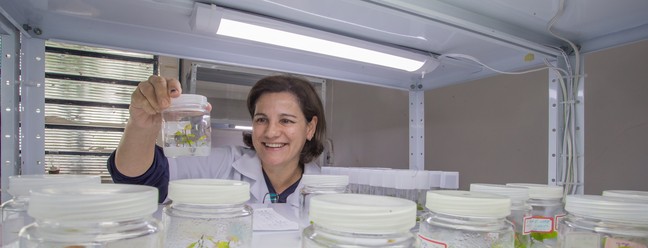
309	102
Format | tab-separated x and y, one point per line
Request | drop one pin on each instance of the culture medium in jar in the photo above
594	221
547	210
464	219
319	185
520	210
186	127
208	213
357	220
14	211
102	215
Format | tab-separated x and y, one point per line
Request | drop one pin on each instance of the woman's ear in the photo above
310	128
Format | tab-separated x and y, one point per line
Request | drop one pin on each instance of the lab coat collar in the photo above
249	166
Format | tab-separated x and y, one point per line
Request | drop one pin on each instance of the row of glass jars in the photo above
212	213
78	211
513	215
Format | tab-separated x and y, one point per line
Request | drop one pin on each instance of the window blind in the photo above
87	93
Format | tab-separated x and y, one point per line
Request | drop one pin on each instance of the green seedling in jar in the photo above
186	137
216	244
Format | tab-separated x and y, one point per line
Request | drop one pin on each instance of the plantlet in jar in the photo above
185	137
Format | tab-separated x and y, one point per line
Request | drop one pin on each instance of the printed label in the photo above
582	240
431	243
557	220
619	243
538	224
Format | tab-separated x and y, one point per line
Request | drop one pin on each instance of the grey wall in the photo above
495	130
616	119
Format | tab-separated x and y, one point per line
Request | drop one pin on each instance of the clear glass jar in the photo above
547	210
520	210
358	221
464	219
603	222
208	213
319	185
186	127
14	211
103	215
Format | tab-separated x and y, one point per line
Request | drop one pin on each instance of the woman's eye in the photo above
286	121
260	120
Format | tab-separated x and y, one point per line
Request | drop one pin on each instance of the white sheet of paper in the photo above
267	219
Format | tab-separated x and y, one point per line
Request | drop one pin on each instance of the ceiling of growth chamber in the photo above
508	35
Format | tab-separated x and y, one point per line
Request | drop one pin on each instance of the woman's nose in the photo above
273	130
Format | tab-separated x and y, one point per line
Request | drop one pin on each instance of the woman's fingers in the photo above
154	94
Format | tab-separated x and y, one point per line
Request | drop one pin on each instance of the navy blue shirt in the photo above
156	176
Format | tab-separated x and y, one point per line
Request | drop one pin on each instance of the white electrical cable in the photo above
471	58
571	176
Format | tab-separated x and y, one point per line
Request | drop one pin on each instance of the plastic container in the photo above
186	127
357	220
602	222
547	210
627	194
466	219
14	211
319	185
103	215
208	213
520	209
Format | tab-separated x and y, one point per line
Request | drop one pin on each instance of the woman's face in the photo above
280	129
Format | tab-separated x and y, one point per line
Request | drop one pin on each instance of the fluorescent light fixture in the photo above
268	31
243	128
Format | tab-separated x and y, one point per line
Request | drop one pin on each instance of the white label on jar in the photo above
538	224
582	240
618	243
431	243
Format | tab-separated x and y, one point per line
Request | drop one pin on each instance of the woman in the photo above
288	127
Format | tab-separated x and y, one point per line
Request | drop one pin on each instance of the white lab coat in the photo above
232	162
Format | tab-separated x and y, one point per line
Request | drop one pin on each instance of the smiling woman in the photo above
286	134
288	129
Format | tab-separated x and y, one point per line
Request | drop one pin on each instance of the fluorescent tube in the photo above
241	30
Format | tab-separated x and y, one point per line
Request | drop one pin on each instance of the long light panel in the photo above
258	29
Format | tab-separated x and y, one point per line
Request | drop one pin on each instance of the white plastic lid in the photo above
189	99
468	204
329	180
366	214
435	179
608	208
517	194
209	191
634	194
93	203
388	179
405	179
541	191
422	179
22	184
449	180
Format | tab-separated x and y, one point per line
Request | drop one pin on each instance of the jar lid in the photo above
517	194
468	204
541	191
608	208
366	214
627	194
93	203
209	191
330	180
22	184
189	99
